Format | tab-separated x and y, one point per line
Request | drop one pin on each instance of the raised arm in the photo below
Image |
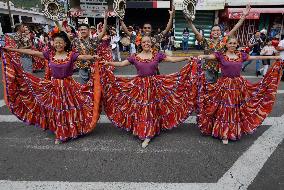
101	34
176	59
118	64
170	22
26	51
198	36
58	26
124	28
241	21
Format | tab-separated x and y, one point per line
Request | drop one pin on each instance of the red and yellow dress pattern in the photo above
60	105
145	105
234	106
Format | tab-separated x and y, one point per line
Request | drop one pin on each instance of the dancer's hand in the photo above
200	57
246	10
6	48
96	57
189	58
171	12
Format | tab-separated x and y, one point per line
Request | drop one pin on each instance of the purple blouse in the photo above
146	67
231	68
62	68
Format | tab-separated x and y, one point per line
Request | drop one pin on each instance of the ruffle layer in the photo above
234	106
145	105
61	105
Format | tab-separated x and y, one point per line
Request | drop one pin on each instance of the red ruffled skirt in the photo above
147	105
61	105
233	106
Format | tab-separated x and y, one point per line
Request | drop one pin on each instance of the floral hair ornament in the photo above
53	9
119	7
189	9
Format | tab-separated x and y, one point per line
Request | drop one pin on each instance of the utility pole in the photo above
10	15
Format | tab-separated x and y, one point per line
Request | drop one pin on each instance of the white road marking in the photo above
49	185
239	176
2	103
246	168
104	119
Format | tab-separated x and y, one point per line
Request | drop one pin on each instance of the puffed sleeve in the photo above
131	59
46	54
74	56
218	55
245	56
161	56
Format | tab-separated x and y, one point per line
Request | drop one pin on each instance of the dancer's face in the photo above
146	43
147	28
59	44
232	44
216	32
84	31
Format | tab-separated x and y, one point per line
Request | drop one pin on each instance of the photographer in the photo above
255	43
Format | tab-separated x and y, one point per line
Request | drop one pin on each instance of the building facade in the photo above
20	15
264	14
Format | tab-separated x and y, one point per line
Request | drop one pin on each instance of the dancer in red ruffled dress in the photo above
61	104
233	106
149	103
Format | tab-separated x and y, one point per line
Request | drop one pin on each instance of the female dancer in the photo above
148	103
61	105
233	105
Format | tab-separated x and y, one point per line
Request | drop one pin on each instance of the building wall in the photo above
20	15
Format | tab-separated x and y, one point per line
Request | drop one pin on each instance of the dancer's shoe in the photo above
145	143
225	141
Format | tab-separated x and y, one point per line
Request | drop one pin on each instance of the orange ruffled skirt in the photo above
147	105
61	105
233	106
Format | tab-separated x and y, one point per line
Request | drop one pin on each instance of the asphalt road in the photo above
110	158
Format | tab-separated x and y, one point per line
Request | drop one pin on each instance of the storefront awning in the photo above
236	13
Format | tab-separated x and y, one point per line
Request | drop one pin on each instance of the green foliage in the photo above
26	3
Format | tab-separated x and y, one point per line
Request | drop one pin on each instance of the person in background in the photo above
255	43
267	50
114	44
185	39
86	45
93	32
23	41
147	30
132	48
215	43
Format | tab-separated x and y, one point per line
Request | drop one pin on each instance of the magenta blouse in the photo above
61	69
231	68
146	67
